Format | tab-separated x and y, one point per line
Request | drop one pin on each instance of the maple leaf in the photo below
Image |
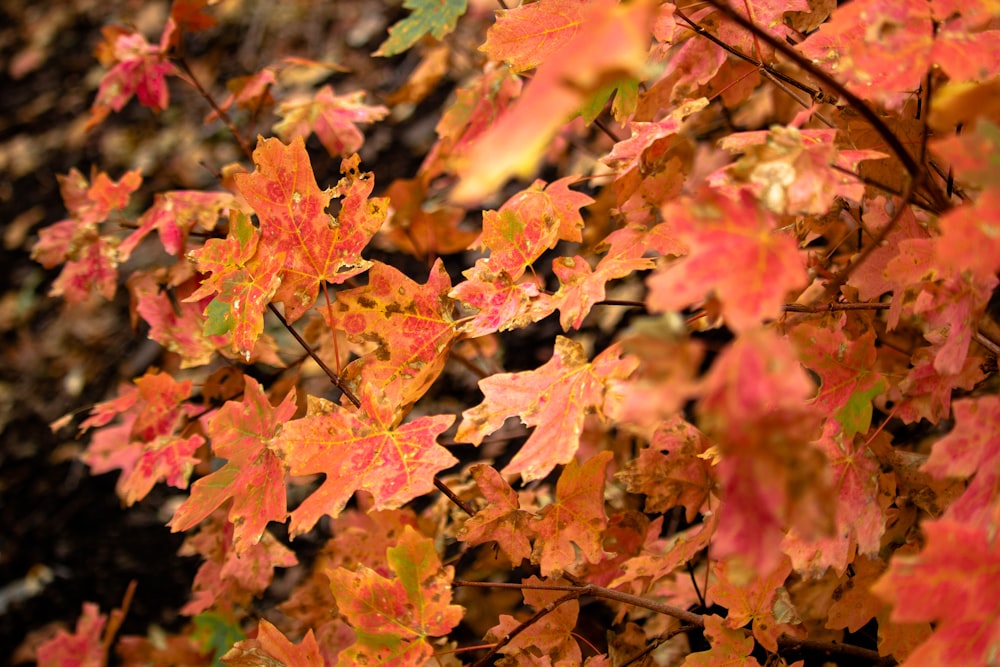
136	68
410	324
332	117
82	648
245	433
437	17
243	281
272	649
252	92
576	520
526	36
175	214
925	393
754	602
845	363
174	323
880	272
502	520
754	406
531	222
548	643
364	450
189	15
393	617
146	447
229	579
854	604
951	310
970	238
971	154
729	647
972	448
672	470
502	303
633	159
882	50
90	260
293	220
734	253
554	398
953	582
860	516
610	44
789	169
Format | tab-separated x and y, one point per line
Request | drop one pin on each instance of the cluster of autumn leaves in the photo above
756	471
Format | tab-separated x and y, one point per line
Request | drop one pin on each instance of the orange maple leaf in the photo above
293	221
555	399
362	450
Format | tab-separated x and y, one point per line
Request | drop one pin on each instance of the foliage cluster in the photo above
770	432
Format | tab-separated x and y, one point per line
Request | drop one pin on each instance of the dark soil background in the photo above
65	538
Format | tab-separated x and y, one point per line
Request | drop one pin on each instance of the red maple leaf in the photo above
554	398
175	214
955	582
82	648
734	253
526	36
845	363
882	50
423	230
394	617
972	448
243	432
754	407
175	322
860	514
333	118
146	446
362	450
293	221
477	105
90	260
230	579
136	68
531	222
672	470
610	43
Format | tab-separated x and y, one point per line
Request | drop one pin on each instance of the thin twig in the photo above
453	497
334	378
223	116
893	141
831	307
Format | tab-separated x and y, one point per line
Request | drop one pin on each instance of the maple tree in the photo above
768	431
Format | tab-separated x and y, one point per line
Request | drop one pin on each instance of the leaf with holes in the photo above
291	208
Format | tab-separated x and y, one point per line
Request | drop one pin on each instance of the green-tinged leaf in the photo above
437	17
